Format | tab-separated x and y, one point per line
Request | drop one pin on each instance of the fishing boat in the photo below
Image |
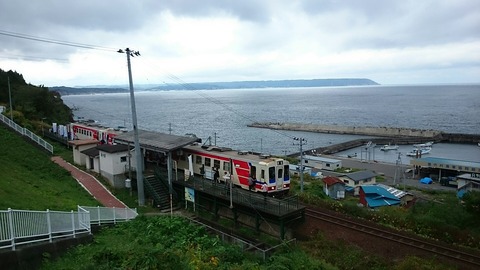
419	151
388	147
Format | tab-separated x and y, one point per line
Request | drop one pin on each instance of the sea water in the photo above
223	115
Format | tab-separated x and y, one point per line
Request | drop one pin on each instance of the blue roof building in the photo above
375	196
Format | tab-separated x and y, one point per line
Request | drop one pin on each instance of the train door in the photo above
279	175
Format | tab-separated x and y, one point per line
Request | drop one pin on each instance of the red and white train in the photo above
242	165
82	131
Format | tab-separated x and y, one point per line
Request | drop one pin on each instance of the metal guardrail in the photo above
27	133
244	245
20	227
108	215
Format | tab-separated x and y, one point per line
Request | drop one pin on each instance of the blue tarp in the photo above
426	180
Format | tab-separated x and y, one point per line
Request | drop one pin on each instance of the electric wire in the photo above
216	101
58	42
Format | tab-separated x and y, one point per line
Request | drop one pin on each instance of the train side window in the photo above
198	159
226	166
208	162
216	163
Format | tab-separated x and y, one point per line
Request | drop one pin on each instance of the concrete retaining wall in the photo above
31	256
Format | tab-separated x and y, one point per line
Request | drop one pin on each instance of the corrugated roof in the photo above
323	159
331	180
445	161
378	196
396	192
83	142
361	175
157	141
91	152
112	148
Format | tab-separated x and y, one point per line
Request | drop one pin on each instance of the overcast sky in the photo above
390	42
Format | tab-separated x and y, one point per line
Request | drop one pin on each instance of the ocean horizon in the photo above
223	115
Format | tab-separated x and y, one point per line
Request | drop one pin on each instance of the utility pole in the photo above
301	141
138	151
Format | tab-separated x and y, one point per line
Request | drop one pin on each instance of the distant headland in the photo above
99	89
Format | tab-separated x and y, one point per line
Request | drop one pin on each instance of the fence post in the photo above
73	224
98	211
49	225
10	224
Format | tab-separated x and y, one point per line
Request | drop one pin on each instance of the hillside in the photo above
216	85
29	180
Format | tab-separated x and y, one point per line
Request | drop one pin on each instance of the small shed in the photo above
334	187
376	196
80	145
468	182
407	199
357	179
114	163
322	163
93	160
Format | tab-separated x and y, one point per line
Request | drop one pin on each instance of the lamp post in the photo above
10	98
301	141
138	151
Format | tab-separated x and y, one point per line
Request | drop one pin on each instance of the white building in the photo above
322	163
80	145
114	163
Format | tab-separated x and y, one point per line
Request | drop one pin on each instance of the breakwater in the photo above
368	131
384	135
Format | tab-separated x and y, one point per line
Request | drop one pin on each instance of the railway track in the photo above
455	255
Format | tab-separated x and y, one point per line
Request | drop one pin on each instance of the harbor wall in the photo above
385	135
368	131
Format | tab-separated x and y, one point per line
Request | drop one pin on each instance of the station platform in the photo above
266	213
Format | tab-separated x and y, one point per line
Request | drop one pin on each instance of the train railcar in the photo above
83	131
240	165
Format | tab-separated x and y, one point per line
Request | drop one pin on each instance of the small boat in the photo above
419	151
388	147
427	144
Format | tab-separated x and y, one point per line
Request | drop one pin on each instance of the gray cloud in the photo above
264	31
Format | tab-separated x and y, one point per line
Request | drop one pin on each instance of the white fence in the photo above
27	133
19	227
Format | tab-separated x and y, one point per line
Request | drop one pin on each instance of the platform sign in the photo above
190	194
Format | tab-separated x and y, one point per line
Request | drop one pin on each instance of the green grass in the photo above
29	180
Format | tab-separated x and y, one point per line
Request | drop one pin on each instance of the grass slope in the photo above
29	180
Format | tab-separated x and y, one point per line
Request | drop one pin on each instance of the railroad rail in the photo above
454	255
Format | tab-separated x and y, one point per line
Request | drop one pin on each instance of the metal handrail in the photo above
27	133
20	227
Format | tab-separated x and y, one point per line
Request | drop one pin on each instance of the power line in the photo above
58	42
32	58
188	86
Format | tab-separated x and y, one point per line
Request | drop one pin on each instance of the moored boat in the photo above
419	151
388	147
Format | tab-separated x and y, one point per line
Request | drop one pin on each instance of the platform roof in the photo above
156	141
